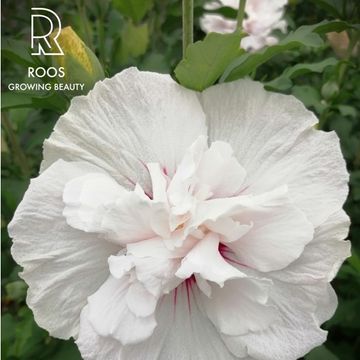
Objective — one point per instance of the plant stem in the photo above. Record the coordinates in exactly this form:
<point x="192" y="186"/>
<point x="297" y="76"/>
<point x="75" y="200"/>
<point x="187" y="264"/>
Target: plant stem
<point x="19" y="155"/>
<point x="353" y="40"/>
<point x="188" y="23"/>
<point x="240" y="14"/>
<point x="101" y="41"/>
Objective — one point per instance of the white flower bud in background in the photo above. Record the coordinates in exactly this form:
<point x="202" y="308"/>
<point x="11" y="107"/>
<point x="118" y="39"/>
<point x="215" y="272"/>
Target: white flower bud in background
<point x="263" y="16"/>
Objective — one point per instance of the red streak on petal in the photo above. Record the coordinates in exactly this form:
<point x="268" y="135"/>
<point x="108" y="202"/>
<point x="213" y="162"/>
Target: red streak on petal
<point x="148" y="195"/>
<point x="189" y="284"/>
<point x="186" y="285"/>
<point x="175" y="297"/>
<point x="225" y="251"/>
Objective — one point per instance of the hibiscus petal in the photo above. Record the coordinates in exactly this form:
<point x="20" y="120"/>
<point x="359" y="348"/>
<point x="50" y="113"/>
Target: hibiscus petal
<point x="179" y="191"/>
<point x="157" y="249"/>
<point x="93" y="346"/>
<point x="323" y="256"/>
<point x="296" y="332"/>
<point x="273" y="139"/>
<point x="127" y="121"/>
<point x="205" y="259"/>
<point x="110" y="313"/>
<point x="129" y="218"/>
<point x="220" y="170"/>
<point x="180" y="334"/>
<point x="240" y="306"/>
<point x="62" y="265"/>
<point x="86" y="198"/>
<point x="277" y="238"/>
<point x="230" y="229"/>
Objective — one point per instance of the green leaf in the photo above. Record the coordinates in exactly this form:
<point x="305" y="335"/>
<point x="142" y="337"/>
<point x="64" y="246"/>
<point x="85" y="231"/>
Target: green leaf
<point x="325" y="26"/>
<point x="321" y="353"/>
<point x="309" y="96"/>
<point x="18" y="51"/>
<point x="8" y="326"/>
<point x="355" y="184"/>
<point x="354" y="261"/>
<point x="283" y="82"/>
<point x="28" y="336"/>
<point x="68" y="350"/>
<point x="347" y="110"/>
<point x="307" y="35"/>
<point x="206" y="60"/>
<point x="14" y="192"/>
<point x="15" y="100"/>
<point x="135" y="9"/>
<point x="16" y="290"/>
<point x="134" y="41"/>
<point x="333" y="7"/>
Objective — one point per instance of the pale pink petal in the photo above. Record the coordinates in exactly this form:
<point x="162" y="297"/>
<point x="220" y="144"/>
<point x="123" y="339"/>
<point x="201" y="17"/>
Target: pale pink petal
<point x="240" y="306"/>
<point x="273" y="139"/>
<point x="86" y="197"/>
<point x="62" y="265"/>
<point x="205" y="259"/>
<point x="111" y="316"/>
<point x="323" y="256"/>
<point x="127" y="121"/>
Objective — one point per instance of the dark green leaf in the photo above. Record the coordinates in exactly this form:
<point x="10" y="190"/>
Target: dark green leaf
<point x="321" y="353"/>
<point x="13" y="100"/>
<point x="309" y="96"/>
<point x="283" y="82"/>
<point x="307" y="35"/>
<point x="18" y="51"/>
<point x="135" y="9"/>
<point x="333" y="7"/>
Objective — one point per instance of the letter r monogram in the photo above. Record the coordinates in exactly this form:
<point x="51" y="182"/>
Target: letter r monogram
<point x="53" y="48"/>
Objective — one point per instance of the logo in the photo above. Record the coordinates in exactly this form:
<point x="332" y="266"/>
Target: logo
<point x="52" y="48"/>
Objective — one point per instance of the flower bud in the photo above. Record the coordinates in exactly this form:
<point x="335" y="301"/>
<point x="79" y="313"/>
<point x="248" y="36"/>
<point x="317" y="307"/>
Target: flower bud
<point x="330" y="90"/>
<point x="80" y="64"/>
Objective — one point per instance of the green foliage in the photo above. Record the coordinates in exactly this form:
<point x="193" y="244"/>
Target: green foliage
<point x="17" y="51"/>
<point x="134" y="41"/>
<point x="307" y="35"/>
<point x="206" y="60"/>
<point x="135" y="9"/>
<point x="321" y="353"/>
<point x="284" y="81"/>
<point x="15" y="100"/>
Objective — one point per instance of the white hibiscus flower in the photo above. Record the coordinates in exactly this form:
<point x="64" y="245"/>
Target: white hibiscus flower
<point x="263" y="17"/>
<point x="169" y="224"/>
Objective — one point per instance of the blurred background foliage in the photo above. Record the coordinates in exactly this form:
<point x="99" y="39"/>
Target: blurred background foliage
<point x="147" y="34"/>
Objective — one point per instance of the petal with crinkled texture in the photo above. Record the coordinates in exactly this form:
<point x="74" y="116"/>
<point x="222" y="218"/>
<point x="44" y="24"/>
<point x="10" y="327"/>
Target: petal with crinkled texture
<point x="323" y="256"/>
<point x="62" y="265"/>
<point x="273" y="139"/>
<point x="297" y="330"/>
<point x="93" y="346"/>
<point x="183" y="332"/>
<point x="127" y="121"/>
